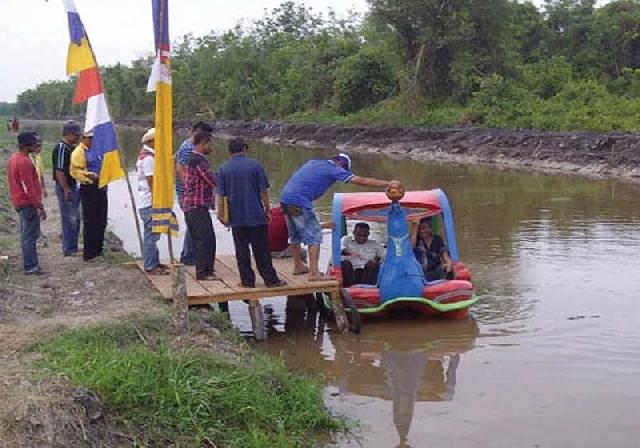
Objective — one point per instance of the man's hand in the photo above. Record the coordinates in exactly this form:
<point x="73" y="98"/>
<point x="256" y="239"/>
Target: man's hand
<point x="93" y="176"/>
<point x="268" y="215"/>
<point x="41" y="213"/>
<point x="44" y="193"/>
<point x="68" y="195"/>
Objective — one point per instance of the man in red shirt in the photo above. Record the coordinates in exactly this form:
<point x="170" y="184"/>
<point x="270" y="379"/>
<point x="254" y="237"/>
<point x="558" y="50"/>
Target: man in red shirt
<point x="26" y="196"/>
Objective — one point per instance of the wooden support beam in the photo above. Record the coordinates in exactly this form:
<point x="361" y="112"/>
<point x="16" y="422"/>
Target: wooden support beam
<point x="180" y="300"/>
<point x="338" y="311"/>
<point x="257" y="320"/>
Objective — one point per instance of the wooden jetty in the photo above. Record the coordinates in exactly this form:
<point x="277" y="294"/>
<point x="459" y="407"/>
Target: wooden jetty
<point x="228" y="289"/>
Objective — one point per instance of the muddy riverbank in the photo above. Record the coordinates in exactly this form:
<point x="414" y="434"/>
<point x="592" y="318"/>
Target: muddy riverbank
<point x="585" y="153"/>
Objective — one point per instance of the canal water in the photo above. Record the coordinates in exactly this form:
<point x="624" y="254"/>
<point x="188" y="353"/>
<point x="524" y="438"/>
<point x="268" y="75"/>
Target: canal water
<point x="551" y="355"/>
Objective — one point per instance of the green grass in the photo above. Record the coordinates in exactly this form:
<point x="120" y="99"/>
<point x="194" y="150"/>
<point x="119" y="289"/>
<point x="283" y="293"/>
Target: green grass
<point x="188" y="397"/>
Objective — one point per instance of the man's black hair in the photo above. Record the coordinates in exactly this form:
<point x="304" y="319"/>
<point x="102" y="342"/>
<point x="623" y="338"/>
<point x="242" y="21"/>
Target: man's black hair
<point x="27" y="139"/>
<point x="202" y="137"/>
<point x="361" y="225"/>
<point x="237" y="145"/>
<point x="71" y="128"/>
<point x="202" y="126"/>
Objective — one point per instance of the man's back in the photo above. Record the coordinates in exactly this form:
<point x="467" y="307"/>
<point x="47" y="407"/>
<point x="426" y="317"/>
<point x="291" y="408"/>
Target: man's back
<point x="242" y="180"/>
<point x="311" y="181"/>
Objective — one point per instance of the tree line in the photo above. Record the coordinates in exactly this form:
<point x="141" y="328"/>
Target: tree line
<point x="569" y="64"/>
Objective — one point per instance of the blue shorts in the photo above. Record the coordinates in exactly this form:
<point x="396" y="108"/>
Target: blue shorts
<point x="304" y="228"/>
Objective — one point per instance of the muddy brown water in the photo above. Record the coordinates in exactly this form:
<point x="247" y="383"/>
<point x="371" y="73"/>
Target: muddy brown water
<point x="551" y="355"/>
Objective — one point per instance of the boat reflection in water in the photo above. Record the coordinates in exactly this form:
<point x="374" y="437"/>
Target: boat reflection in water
<point x="401" y="361"/>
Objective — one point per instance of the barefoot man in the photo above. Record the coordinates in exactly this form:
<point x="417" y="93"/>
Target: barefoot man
<point x="306" y="185"/>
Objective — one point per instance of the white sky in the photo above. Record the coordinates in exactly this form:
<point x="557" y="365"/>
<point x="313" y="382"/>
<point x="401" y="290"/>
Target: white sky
<point x="35" y="32"/>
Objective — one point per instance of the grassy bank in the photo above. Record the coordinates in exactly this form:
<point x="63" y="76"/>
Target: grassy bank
<point x="178" y="394"/>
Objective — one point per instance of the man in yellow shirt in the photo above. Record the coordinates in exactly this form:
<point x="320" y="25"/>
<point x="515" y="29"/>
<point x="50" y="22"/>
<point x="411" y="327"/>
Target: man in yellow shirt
<point x="93" y="199"/>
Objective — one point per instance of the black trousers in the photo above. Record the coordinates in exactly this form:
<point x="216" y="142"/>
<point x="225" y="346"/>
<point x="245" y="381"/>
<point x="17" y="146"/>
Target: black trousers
<point x="203" y="238"/>
<point x="366" y="276"/>
<point x="95" y="207"/>
<point x="258" y="238"/>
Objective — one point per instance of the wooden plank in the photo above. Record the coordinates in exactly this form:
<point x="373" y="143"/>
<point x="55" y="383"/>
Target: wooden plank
<point x="338" y="312"/>
<point x="211" y="286"/>
<point x="180" y="302"/>
<point x="164" y="286"/>
<point x="257" y="294"/>
<point x="257" y="320"/>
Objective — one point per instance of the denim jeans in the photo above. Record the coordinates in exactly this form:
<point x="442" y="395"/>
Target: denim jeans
<point x="151" y="254"/>
<point x="29" y="233"/>
<point x="188" y="254"/>
<point x="70" y="217"/>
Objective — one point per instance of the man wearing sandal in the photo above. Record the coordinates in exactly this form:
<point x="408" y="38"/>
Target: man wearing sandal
<point x="145" y="167"/>
<point x="306" y="185"/>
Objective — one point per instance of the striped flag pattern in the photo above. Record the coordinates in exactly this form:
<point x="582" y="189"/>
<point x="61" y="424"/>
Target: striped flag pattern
<point x="163" y="218"/>
<point x="103" y="157"/>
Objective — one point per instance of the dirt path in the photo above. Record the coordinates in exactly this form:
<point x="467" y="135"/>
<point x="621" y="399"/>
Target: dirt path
<point x="48" y="412"/>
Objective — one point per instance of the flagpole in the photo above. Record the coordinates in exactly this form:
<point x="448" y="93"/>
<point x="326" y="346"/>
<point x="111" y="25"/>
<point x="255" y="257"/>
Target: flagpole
<point x="131" y="197"/>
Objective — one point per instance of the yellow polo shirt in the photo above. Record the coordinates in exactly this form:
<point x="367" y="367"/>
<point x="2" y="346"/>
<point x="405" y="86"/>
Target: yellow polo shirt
<point x="78" y="165"/>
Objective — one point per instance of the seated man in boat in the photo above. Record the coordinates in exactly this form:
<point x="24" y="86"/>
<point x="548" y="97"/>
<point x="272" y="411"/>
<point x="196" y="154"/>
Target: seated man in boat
<point x="361" y="257"/>
<point x="430" y="251"/>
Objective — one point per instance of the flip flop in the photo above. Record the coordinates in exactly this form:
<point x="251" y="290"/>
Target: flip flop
<point x="301" y="272"/>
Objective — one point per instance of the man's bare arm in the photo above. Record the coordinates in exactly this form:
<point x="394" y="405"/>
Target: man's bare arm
<point x="369" y="182"/>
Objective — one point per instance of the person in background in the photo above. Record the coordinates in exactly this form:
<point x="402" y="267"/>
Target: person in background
<point x="197" y="200"/>
<point x="25" y="191"/>
<point x="306" y="185"/>
<point x="9" y="124"/>
<point x="145" y="167"/>
<point x="67" y="188"/>
<point x="243" y="197"/>
<point x="361" y="257"/>
<point x="430" y="251"/>
<point x="15" y="124"/>
<point x="38" y="162"/>
<point x="93" y="199"/>
<point x="182" y="157"/>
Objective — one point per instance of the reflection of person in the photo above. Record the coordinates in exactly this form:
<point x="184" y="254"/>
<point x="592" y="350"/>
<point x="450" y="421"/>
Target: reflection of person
<point x="67" y="189"/>
<point x="243" y="197"/>
<point x="26" y="196"/>
<point x="361" y="257"/>
<point x="306" y="185"/>
<point x="182" y="157"/>
<point x="145" y="167"/>
<point x="93" y="199"/>
<point x="430" y="251"/>
<point x="197" y="200"/>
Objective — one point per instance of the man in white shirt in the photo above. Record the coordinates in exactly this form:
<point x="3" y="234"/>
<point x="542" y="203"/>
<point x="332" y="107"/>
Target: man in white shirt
<point x="361" y="257"/>
<point x="145" y="167"/>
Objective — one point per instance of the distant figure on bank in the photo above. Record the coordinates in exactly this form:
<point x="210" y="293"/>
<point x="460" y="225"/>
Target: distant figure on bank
<point x="9" y="124"/>
<point x="430" y="251"/>
<point x="94" y="200"/>
<point x="243" y="204"/>
<point x="197" y="200"/>
<point x="361" y="257"/>
<point x="15" y="124"/>
<point x="306" y="185"/>
<point x="182" y="157"/>
<point x="26" y="196"/>
<point x="67" y="189"/>
<point x="145" y="167"/>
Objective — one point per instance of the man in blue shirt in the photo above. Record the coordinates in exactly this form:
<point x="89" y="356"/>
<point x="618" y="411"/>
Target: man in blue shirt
<point x="187" y="256"/>
<point x="306" y="185"/>
<point x="243" y="203"/>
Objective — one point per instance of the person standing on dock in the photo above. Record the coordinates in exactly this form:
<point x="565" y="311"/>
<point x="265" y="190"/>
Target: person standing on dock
<point x="187" y="256"/>
<point x="67" y="189"/>
<point x="307" y="184"/>
<point x="243" y="197"/>
<point x="94" y="199"/>
<point x="197" y="200"/>
<point x="26" y="196"/>
<point x="145" y="167"/>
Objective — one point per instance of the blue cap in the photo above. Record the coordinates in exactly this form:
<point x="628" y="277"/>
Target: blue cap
<point x="345" y="159"/>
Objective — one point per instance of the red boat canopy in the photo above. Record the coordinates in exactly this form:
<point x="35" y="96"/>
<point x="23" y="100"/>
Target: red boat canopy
<point x="375" y="206"/>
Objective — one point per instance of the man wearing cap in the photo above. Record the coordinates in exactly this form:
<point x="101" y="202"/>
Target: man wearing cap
<point x="187" y="256"/>
<point x="93" y="199"/>
<point x="67" y="189"/>
<point x="306" y="185"/>
<point x="26" y="196"/>
<point x="145" y="167"/>
<point x="243" y="204"/>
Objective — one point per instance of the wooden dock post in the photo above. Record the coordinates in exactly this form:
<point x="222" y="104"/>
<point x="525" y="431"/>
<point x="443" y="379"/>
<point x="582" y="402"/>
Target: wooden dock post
<point x="338" y="311"/>
<point x="257" y="320"/>
<point x="180" y="300"/>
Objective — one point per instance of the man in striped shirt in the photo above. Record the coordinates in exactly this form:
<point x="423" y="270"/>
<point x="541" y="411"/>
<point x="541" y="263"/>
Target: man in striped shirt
<point x="67" y="189"/>
<point x="197" y="200"/>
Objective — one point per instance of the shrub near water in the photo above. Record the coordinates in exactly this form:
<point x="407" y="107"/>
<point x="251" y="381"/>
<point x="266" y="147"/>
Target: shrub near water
<point x="187" y="394"/>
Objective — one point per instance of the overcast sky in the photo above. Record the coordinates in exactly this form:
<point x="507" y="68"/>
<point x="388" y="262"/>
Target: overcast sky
<point x="35" y="32"/>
